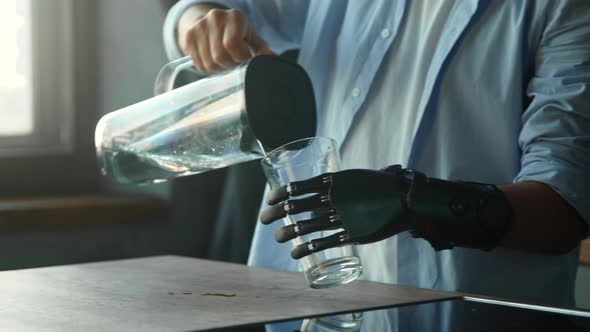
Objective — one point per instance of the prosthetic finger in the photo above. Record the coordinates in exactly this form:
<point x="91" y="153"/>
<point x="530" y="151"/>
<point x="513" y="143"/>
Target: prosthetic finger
<point x="294" y="206"/>
<point x="304" y="227"/>
<point x="318" y="184"/>
<point x="332" y="241"/>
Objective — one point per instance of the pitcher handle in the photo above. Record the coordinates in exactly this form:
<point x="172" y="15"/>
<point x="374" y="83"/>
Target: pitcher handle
<point x="167" y="75"/>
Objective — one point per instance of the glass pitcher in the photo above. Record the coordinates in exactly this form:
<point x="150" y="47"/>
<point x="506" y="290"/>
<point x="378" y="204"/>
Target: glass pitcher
<point x="220" y="120"/>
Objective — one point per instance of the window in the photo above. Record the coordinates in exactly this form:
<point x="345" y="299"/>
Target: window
<point x="15" y="67"/>
<point x="36" y="77"/>
<point x="47" y="114"/>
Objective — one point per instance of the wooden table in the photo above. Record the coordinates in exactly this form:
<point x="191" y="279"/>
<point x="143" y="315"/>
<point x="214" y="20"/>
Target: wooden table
<point x="171" y="293"/>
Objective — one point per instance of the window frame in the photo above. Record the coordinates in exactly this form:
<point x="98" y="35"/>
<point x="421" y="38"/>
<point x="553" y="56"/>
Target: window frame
<point x="52" y="29"/>
<point x="59" y="157"/>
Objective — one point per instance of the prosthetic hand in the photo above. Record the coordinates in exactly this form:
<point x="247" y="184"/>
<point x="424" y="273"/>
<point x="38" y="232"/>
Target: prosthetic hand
<point x="370" y="206"/>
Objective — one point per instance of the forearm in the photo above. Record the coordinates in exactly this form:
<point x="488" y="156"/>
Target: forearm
<point x="188" y="19"/>
<point x="543" y="222"/>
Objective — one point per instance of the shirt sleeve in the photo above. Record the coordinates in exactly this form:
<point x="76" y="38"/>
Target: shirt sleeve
<point x="555" y="134"/>
<point x="280" y="23"/>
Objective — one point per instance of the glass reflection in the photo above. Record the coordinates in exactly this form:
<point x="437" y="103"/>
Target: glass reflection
<point x="351" y="322"/>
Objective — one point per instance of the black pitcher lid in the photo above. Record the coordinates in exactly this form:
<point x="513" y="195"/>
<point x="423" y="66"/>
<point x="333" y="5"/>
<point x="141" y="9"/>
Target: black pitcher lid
<point x="279" y="101"/>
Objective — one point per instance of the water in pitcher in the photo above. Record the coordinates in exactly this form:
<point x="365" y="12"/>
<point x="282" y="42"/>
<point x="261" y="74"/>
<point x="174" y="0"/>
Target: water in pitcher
<point x="143" y="167"/>
<point x="165" y="163"/>
<point x="207" y="134"/>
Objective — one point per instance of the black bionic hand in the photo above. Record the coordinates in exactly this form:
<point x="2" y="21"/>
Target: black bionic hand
<point x="369" y="206"/>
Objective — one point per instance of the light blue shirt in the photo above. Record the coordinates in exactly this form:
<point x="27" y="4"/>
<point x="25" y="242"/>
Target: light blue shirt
<point x="506" y="99"/>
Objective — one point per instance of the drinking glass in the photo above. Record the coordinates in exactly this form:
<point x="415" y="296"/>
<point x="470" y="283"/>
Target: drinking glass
<point x="301" y="160"/>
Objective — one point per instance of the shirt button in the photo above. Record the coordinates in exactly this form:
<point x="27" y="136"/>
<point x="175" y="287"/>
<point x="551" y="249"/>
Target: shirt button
<point x="385" y="33"/>
<point x="356" y="92"/>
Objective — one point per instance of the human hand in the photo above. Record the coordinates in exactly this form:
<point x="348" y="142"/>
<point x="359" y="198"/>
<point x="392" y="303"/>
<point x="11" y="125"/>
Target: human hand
<point x="218" y="38"/>
<point x="366" y="205"/>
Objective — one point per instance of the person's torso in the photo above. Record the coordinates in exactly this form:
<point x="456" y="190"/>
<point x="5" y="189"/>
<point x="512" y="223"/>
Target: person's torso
<point x="464" y="125"/>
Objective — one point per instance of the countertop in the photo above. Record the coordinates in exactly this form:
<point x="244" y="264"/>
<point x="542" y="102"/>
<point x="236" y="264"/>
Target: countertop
<point x="173" y="293"/>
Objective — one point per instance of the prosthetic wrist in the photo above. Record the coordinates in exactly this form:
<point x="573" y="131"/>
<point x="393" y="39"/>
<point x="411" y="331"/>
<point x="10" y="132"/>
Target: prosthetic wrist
<point x="458" y="214"/>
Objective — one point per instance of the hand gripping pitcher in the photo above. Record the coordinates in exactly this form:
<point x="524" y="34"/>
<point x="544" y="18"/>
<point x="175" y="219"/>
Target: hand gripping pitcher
<point x="231" y="117"/>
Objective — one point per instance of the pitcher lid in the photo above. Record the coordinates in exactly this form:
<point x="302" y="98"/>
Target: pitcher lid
<point x="279" y="101"/>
